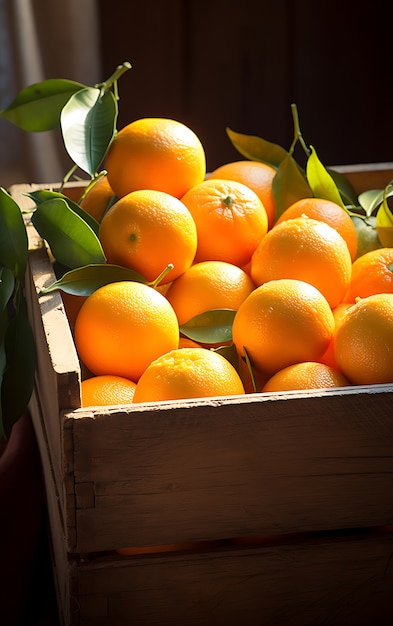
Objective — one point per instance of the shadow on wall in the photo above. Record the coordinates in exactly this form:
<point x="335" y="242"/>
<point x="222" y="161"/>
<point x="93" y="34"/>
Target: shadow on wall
<point x="217" y="64"/>
<point x="212" y="65"/>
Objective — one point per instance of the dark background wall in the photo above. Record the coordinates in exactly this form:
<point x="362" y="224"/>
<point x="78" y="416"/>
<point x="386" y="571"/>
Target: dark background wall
<point x="219" y="63"/>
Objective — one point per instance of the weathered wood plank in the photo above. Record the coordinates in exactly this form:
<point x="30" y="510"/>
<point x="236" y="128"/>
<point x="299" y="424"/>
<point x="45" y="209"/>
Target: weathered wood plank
<point x="337" y="580"/>
<point x="211" y="470"/>
<point x="368" y="176"/>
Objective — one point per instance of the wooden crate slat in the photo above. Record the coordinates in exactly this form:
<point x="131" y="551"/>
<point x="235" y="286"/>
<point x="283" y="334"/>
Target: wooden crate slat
<point x="336" y="580"/>
<point x="364" y="177"/>
<point x="236" y="468"/>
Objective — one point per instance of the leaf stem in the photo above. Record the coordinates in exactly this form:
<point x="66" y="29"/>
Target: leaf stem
<point x="91" y="184"/>
<point x="298" y="133"/>
<point x="68" y="175"/>
<point x="159" y="278"/>
<point x="112" y="80"/>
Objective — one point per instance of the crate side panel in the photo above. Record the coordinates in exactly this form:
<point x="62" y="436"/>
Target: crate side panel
<point x="57" y="380"/>
<point x="49" y="385"/>
<point x="260" y="465"/>
<point x="53" y="335"/>
<point x="367" y="176"/>
<point x="337" y="581"/>
<point x="55" y="511"/>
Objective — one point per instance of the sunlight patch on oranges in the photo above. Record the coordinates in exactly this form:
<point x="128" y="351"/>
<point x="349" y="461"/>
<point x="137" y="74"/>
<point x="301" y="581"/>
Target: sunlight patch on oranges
<point x="188" y="373"/>
<point x="311" y="309"/>
<point x="155" y="153"/>
<point x="122" y="327"/>
<point x="146" y="231"/>
<point x="230" y="220"/>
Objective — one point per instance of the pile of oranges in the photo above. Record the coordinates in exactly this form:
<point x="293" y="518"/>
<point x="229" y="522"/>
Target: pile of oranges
<point x="308" y="312"/>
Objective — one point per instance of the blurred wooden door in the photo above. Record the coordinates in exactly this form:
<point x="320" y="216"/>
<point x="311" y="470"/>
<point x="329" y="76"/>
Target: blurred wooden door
<point x="219" y="63"/>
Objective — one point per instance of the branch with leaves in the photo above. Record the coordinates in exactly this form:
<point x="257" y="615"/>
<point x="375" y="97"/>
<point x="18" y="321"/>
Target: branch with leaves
<point x="87" y="118"/>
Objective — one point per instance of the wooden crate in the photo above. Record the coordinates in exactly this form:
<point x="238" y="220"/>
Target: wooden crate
<point x="265" y="509"/>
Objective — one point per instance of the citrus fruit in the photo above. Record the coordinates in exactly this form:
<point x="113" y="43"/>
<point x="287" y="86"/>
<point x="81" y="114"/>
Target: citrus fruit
<point x="147" y="230"/>
<point x="305" y="375"/>
<point x="185" y="342"/>
<point x="107" y="389"/>
<point x="328" y="212"/>
<point x="124" y="326"/>
<point x="155" y="153"/>
<point x="283" y="322"/>
<point x="230" y="220"/>
<point x="338" y="313"/>
<point x="257" y="176"/>
<point x="364" y="341"/>
<point x="308" y="250"/>
<point x="98" y="198"/>
<point x="208" y="285"/>
<point x="367" y="234"/>
<point x="188" y="373"/>
<point x="371" y="273"/>
<point x="72" y="306"/>
<point x="385" y="235"/>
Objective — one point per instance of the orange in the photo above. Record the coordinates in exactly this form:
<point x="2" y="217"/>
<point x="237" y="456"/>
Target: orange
<point x="283" y="322"/>
<point x="257" y="176"/>
<point x="305" y="375"/>
<point x="122" y="327"/>
<point x="155" y="153"/>
<point x="188" y="373"/>
<point x="98" y="198"/>
<point x="230" y="220"/>
<point x="107" y="389"/>
<point x="167" y="547"/>
<point x="328" y="212"/>
<point x="305" y="249"/>
<point x="367" y="234"/>
<point x="146" y="230"/>
<point x="208" y="285"/>
<point x="338" y="313"/>
<point x="72" y="306"/>
<point x="185" y="342"/>
<point x="371" y="273"/>
<point x="364" y="341"/>
<point x="385" y="235"/>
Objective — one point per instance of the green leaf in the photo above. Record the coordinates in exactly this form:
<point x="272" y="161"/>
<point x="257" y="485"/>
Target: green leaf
<point x="38" y="107"/>
<point x="18" y="378"/>
<point x="289" y="185"/>
<point x="320" y="181"/>
<point x="250" y="369"/>
<point x="43" y="195"/>
<point x="230" y="353"/>
<point x="211" y="327"/>
<point x="88" y="124"/>
<point x="13" y="236"/>
<point x="370" y="200"/>
<point x="384" y="215"/>
<point x="84" y="280"/>
<point x="346" y="189"/>
<point x="7" y="285"/>
<point x="256" y="148"/>
<point x="366" y="232"/>
<point x="73" y="243"/>
<point x="384" y="220"/>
